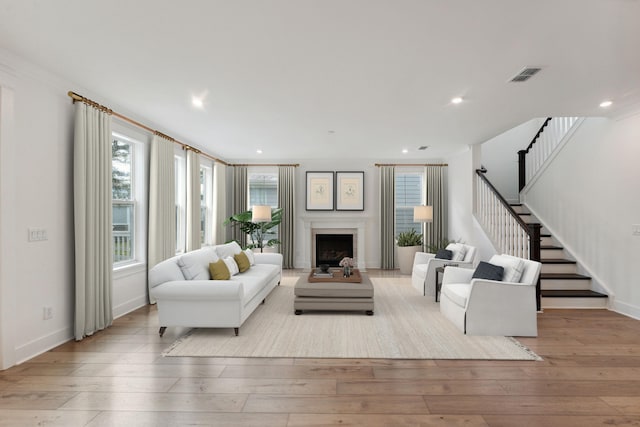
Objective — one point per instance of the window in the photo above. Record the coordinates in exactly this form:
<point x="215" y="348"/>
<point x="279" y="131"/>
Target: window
<point x="263" y="190"/>
<point x="181" y="203"/>
<point x="206" y="205"/>
<point x="127" y="189"/>
<point x="409" y="193"/>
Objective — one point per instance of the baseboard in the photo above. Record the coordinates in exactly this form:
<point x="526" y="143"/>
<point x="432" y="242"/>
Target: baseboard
<point x="129" y="306"/>
<point x="626" y="309"/>
<point x="43" y="344"/>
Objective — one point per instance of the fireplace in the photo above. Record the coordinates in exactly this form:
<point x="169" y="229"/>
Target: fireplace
<point x="314" y="225"/>
<point x="331" y="248"/>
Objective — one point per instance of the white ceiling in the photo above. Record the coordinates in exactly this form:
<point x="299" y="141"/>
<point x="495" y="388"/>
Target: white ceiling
<point x="305" y="79"/>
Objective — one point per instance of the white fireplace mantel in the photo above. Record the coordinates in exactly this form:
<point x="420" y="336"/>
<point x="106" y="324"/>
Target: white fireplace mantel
<point x="311" y="223"/>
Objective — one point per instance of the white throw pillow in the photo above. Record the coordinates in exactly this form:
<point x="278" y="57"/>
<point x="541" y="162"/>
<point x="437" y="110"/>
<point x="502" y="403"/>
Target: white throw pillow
<point x="513" y="268"/>
<point x="228" y="249"/>
<point x="231" y="265"/>
<point x="459" y="251"/>
<point x="195" y="264"/>
<point x="252" y="259"/>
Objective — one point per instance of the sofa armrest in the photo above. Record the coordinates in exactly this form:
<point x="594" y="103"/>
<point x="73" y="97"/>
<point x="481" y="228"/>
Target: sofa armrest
<point x="457" y="275"/>
<point x="422" y="258"/>
<point x="187" y="290"/>
<point x="268" y="258"/>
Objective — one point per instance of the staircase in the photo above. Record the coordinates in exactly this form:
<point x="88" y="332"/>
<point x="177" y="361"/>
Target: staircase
<point x="560" y="283"/>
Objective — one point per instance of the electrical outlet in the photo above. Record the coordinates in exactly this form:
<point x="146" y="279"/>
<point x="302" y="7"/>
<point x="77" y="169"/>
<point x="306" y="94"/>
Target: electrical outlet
<point x="47" y="313"/>
<point x="635" y="229"/>
<point x="37" y="234"/>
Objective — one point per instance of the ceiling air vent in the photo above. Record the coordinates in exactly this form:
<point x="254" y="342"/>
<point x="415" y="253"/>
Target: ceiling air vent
<point x="423" y="147"/>
<point x="525" y="74"/>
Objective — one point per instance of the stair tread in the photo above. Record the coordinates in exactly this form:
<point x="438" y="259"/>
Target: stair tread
<point x="550" y="247"/>
<point x="557" y="261"/>
<point x="563" y="276"/>
<point x="515" y="204"/>
<point x="568" y="293"/>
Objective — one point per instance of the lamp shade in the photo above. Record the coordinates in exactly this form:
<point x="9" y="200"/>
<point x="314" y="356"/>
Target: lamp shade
<point x="261" y="213"/>
<point x="423" y="213"/>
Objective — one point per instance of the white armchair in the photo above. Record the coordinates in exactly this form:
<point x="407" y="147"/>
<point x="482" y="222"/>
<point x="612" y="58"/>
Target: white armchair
<point x="490" y="307"/>
<point x="423" y="275"/>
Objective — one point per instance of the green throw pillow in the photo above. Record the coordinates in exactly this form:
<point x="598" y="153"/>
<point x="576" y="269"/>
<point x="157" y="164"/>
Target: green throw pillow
<point x="243" y="261"/>
<point x="219" y="270"/>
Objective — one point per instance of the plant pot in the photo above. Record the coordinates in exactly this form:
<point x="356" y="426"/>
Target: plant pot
<point x="406" y="254"/>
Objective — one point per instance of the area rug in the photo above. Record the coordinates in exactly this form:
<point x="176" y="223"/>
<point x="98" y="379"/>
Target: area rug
<point x="405" y="325"/>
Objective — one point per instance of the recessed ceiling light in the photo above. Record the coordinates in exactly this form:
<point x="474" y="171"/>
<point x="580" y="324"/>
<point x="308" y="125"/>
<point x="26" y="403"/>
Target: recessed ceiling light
<point x="197" y="102"/>
<point x="405" y="151"/>
<point x="456" y="100"/>
<point x="259" y="151"/>
<point x="605" y="104"/>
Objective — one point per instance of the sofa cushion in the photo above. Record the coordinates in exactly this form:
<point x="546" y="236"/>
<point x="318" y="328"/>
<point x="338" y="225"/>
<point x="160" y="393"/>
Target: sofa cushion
<point x="249" y="254"/>
<point x="231" y="265"/>
<point x="228" y="249"/>
<point x="459" y="251"/>
<point x="219" y="270"/>
<point x="242" y="261"/>
<point x="487" y="271"/>
<point x="195" y="264"/>
<point x="444" y="254"/>
<point x="457" y="292"/>
<point x="513" y="267"/>
<point x="255" y="279"/>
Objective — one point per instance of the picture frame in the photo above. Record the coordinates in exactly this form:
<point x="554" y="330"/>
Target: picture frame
<point x="350" y="191"/>
<point x="320" y="191"/>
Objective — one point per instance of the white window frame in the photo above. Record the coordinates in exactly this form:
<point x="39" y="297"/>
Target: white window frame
<point x="138" y="184"/>
<point x="262" y="170"/>
<point x="413" y="171"/>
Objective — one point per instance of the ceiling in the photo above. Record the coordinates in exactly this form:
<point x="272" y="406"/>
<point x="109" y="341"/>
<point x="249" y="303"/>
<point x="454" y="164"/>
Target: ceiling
<point x="316" y="79"/>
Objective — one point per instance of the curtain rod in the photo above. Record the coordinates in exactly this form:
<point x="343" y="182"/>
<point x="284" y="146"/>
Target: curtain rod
<point x="411" y="164"/>
<point x="295" y="165"/>
<point x="75" y="97"/>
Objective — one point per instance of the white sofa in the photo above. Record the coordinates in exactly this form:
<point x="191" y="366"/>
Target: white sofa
<point x="186" y="295"/>
<point x="423" y="275"/>
<point x="491" y="307"/>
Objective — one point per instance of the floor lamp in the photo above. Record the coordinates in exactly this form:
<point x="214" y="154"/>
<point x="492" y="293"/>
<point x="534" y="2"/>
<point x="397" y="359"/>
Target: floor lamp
<point x="423" y="214"/>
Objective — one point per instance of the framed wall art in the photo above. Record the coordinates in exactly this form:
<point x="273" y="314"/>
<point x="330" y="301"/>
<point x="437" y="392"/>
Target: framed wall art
<point x="320" y="192"/>
<point x="350" y="191"/>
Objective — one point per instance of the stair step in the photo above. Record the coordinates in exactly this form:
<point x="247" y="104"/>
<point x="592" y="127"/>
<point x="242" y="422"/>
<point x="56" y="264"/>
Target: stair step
<point x="550" y="251"/>
<point x="558" y="265"/>
<point x="557" y="281"/>
<point x="573" y="299"/>
<point x="567" y="293"/>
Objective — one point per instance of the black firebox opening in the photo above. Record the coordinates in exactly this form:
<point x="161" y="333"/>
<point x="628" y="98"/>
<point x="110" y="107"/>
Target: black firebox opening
<point x="331" y="248"/>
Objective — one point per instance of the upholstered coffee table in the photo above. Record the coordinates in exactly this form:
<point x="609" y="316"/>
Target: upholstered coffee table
<point x="334" y="293"/>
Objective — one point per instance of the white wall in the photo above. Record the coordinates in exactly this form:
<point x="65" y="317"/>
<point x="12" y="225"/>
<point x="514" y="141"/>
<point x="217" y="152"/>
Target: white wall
<point x="36" y="134"/>
<point x="500" y="157"/>
<point x="588" y="198"/>
<point x="369" y="215"/>
<point x="462" y="224"/>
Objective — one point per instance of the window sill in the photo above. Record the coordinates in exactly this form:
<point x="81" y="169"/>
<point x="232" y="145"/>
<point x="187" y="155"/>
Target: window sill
<point x="129" y="269"/>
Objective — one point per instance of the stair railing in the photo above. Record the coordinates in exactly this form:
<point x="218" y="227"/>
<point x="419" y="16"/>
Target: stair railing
<point x="549" y="136"/>
<point x="504" y="226"/>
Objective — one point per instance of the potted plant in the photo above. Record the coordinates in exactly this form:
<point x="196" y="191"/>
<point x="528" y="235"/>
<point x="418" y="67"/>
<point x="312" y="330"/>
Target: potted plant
<point x="257" y="231"/>
<point x="409" y="242"/>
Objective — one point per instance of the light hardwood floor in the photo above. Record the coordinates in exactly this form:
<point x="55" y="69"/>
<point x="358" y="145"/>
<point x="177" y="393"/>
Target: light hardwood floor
<point x="590" y="376"/>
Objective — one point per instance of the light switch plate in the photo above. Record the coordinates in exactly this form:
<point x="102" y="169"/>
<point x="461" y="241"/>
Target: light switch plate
<point x="635" y="229"/>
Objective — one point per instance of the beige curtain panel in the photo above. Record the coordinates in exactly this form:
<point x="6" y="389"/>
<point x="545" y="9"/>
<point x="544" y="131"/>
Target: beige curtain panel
<point x="162" y="203"/>
<point x="286" y="201"/>
<point x="387" y="216"/>
<point x="435" y="184"/>
<point x="240" y="201"/>
<point x="92" y="220"/>
<point x="220" y="197"/>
